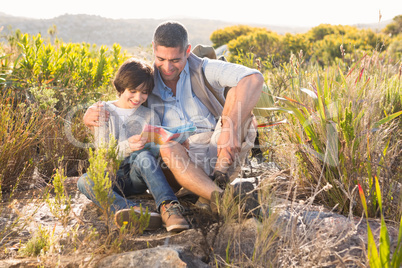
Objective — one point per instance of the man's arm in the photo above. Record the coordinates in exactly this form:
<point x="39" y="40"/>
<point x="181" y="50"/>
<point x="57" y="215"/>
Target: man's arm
<point x="237" y="111"/>
<point x="91" y="116"/>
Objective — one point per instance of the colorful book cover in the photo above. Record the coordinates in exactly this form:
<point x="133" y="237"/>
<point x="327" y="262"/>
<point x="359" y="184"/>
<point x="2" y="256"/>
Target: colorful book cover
<point x="160" y="135"/>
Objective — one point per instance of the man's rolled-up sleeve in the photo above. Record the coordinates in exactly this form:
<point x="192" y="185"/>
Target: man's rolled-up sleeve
<point x="221" y="74"/>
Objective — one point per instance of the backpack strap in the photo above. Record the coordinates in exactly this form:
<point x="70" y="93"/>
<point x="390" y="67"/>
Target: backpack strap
<point x="204" y="51"/>
<point x="208" y="85"/>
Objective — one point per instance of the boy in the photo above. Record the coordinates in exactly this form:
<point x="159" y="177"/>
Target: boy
<point x="139" y="170"/>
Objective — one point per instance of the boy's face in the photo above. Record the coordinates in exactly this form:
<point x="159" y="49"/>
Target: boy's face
<point x="133" y="98"/>
<point x="170" y="61"/>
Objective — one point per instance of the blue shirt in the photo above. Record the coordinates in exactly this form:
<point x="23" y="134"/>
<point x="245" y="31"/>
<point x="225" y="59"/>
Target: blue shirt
<point x="185" y="107"/>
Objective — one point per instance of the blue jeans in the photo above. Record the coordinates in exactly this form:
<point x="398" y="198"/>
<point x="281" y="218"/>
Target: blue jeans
<point x="134" y="176"/>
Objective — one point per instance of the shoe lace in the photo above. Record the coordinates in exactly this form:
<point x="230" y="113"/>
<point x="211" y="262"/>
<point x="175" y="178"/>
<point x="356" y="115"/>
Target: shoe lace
<point x="174" y="208"/>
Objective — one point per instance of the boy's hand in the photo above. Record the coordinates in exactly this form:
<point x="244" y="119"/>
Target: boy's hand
<point x="137" y="142"/>
<point x="92" y="115"/>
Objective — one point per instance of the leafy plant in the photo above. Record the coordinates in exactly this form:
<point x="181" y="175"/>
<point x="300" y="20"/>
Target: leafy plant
<point x="60" y="206"/>
<point x="102" y="182"/>
<point x="40" y="83"/>
<point x="39" y="243"/>
<point x="138" y="223"/>
<point x="223" y="36"/>
<point x="381" y="257"/>
<point x="73" y="73"/>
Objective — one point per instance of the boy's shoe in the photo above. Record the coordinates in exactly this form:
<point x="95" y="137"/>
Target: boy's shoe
<point x="124" y="216"/>
<point x="172" y="217"/>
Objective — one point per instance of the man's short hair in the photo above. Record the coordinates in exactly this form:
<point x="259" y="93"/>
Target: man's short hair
<point x="132" y="74"/>
<point x="171" y="34"/>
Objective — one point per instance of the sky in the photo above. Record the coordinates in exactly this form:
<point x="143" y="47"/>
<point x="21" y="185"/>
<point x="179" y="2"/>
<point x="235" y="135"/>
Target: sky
<point x="303" y="13"/>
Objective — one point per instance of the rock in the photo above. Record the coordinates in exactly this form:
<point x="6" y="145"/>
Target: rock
<point x="163" y="257"/>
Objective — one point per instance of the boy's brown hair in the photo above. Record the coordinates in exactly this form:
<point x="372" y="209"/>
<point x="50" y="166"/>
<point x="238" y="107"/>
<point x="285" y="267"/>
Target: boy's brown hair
<point x="132" y="74"/>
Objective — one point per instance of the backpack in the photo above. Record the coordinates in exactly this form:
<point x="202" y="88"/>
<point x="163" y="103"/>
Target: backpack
<point x="204" y="51"/>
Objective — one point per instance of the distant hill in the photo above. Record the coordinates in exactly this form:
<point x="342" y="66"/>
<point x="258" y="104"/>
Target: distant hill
<point x="126" y="32"/>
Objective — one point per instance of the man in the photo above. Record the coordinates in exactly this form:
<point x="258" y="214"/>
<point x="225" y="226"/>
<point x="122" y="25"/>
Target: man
<point x="225" y="129"/>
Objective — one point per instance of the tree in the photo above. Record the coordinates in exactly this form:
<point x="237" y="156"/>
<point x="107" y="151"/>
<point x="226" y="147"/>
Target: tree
<point x="224" y="36"/>
<point x="395" y="27"/>
<point x="294" y="44"/>
<point x="261" y="43"/>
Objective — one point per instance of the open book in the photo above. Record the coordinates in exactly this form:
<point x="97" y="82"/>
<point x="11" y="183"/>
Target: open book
<point x="160" y="135"/>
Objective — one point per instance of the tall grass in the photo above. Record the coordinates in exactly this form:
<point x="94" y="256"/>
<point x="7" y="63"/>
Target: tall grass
<point x="343" y="131"/>
<point x="21" y="131"/>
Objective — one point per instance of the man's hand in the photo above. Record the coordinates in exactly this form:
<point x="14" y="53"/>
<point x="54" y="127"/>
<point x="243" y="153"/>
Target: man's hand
<point x="239" y="104"/>
<point x="92" y="115"/>
<point x="137" y="142"/>
<point x="228" y="147"/>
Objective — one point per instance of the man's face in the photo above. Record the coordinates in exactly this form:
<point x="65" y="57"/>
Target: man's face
<point x="170" y="61"/>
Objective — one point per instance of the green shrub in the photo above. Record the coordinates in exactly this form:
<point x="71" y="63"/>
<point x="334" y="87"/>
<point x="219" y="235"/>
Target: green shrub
<point x="40" y="84"/>
<point x="102" y="181"/>
<point x="60" y="206"/>
<point x="102" y="170"/>
<point x="223" y="36"/>
<point x="71" y="73"/>
<point x="261" y="43"/>
<point x="39" y="243"/>
<point x="324" y="43"/>
<point x="395" y="48"/>
<point x="395" y="27"/>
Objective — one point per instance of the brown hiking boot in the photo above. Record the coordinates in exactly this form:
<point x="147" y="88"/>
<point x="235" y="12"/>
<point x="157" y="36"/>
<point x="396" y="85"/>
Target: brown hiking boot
<point x="221" y="179"/>
<point x="203" y="203"/>
<point x="243" y="193"/>
<point x="130" y="216"/>
<point x="172" y="217"/>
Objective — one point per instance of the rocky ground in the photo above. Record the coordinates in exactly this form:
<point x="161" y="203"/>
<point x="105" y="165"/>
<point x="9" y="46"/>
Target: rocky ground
<point x="301" y="234"/>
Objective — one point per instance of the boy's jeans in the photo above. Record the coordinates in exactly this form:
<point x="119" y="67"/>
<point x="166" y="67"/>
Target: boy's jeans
<point x="133" y="178"/>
